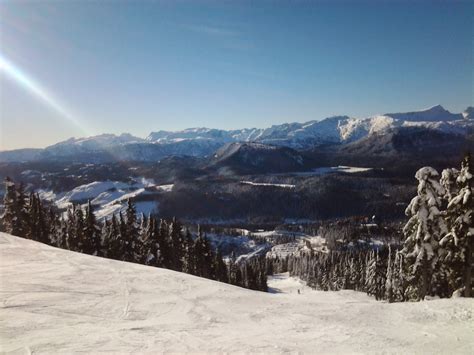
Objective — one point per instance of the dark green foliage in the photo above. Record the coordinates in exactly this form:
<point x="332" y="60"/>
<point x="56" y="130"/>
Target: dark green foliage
<point x="92" y="233"/>
<point x="177" y="245"/>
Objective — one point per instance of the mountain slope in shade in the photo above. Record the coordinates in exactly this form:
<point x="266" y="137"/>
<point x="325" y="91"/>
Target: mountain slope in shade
<point x="56" y="301"/>
<point x="410" y="141"/>
<point x="19" y="155"/>
<point x="256" y="157"/>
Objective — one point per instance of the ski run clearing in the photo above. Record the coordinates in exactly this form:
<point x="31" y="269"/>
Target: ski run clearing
<point x="54" y="300"/>
<point x="285" y="186"/>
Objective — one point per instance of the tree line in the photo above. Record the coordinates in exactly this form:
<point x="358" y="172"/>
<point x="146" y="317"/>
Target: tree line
<point x="126" y="237"/>
<point x="379" y="273"/>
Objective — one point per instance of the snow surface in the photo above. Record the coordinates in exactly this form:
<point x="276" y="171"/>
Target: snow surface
<point x="284" y="186"/>
<point x="54" y="301"/>
<point x="110" y="197"/>
<point x="326" y="170"/>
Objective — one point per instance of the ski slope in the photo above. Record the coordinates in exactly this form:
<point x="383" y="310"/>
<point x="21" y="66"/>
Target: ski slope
<point x="54" y="301"/>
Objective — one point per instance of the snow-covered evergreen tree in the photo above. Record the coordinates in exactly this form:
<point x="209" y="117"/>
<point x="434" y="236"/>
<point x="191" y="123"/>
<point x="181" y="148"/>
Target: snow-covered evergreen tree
<point x="389" y="294"/>
<point x="424" y="230"/>
<point x="449" y="182"/>
<point x="130" y="234"/>
<point x="458" y="241"/>
<point x="142" y="243"/>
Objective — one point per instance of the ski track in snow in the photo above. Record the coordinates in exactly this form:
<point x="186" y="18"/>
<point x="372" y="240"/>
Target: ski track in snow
<point x="53" y="300"/>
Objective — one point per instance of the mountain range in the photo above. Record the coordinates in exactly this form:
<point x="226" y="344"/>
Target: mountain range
<point x="346" y="133"/>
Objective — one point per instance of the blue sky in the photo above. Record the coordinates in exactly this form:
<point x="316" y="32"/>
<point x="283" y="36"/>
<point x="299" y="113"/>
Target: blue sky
<point x="88" y="67"/>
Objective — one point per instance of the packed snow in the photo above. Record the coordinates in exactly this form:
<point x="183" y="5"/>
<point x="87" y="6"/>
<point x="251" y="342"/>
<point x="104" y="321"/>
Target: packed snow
<point x="57" y="301"/>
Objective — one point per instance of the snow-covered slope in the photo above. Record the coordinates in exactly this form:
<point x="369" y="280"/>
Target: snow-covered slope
<point x="110" y="197"/>
<point x="56" y="301"/>
<point x="96" y="142"/>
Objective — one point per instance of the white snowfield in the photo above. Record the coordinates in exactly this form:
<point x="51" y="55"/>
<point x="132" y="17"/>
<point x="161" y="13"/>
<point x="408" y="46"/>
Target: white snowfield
<point x="110" y="197"/>
<point x="284" y="186"/>
<point x="56" y="301"/>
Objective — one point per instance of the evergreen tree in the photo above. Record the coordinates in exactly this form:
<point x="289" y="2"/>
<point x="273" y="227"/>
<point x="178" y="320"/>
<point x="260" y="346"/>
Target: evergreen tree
<point x="199" y="251"/>
<point x="389" y="294"/>
<point x="78" y="229"/>
<point x="458" y="242"/>
<point x="189" y="260"/>
<point x="232" y="270"/>
<point x="54" y="226"/>
<point x="11" y="215"/>
<point x="177" y="245"/>
<point x="37" y="221"/>
<point x="105" y="244"/>
<point x="156" y="257"/>
<point x="91" y="243"/>
<point x="33" y="231"/>
<point x="71" y="241"/>
<point x="424" y="230"/>
<point x="131" y="233"/>
<point x="62" y="234"/>
<point x="375" y="282"/>
<point x="114" y="238"/>
<point x="164" y="242"/>
<point x="42" y="222"/>
<point x="220" y="267"/>
<point x="208" y="258"/>
<point x="22" y="205"/>
<point x="142" y="243"/>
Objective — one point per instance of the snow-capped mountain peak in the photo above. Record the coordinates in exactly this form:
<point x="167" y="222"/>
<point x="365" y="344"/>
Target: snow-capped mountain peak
<point x="435" y="113"/>
<point x="202" y="141"/>
<point x="105" y="139"/>
<point x="468" y="114"/>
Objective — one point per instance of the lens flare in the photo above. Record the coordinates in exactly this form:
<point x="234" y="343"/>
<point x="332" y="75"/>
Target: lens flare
<point x="28" y="83"/>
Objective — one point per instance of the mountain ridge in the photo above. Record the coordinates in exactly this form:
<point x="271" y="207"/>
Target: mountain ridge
<point x="201" y="141"/>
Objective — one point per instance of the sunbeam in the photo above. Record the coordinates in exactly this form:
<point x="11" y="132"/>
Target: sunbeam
<point x="28" y="83"/>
